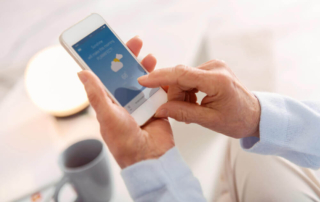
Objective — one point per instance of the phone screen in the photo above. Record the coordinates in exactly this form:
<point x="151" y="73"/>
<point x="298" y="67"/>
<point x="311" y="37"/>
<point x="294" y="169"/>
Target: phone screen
<point x="115" y="66"/>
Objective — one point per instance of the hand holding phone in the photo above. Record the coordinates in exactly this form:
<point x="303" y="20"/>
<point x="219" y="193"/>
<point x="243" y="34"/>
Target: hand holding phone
<point x="96" y="47"/>
<point x="126" y="140"/>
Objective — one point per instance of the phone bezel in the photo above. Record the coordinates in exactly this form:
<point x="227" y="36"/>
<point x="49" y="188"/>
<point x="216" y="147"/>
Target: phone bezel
<point x="82" y="29"/>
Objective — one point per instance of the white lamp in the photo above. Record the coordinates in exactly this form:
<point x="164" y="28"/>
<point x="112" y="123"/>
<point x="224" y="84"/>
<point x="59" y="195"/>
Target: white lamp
<point x="52" y="83"/>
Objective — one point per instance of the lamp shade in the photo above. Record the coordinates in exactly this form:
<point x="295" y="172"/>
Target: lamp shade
<point x="52" y="83"/>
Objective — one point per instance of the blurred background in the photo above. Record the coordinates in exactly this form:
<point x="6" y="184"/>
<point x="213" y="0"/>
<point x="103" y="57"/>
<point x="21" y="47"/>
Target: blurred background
<point x="271" y="46"/>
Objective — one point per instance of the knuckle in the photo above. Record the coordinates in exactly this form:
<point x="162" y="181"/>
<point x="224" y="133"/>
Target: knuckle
<point x="182" y="115"/>
<point x="222" y="78"/>
<point x="218" y="63"/>
<point x="215" y="64"/>
<point x="185" y="72"/>
<point x="225" y="81"/>
<point x="93" y="99"/>
<point x="199" y="75"/>
<point x="182" y="69"/>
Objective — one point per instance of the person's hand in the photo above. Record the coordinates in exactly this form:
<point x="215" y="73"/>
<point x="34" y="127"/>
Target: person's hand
<point x="126" y="140"/>
<point x="229" y="108"/>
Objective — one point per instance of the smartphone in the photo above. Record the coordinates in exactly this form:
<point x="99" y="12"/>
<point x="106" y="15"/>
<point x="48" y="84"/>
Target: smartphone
<point x="96" y="47"/>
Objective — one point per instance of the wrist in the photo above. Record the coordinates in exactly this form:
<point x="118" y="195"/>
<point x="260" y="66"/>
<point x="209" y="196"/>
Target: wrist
<point x="143" y="153"/>
<point x="256" y="113"/>
<point x="129" y="161"/>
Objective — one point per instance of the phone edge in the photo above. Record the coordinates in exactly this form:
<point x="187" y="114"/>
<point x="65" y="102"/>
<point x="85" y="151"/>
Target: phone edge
<point x="66" y="47"/>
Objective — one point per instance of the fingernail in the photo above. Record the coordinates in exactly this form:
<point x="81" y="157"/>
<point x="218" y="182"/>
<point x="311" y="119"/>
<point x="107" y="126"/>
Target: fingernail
<point x="83" y="78"/>
<point x="162" y="113"/>
<point x="143" y="78"/>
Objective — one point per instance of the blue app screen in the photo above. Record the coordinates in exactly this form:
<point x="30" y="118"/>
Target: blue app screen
<point x="115" y="66"/>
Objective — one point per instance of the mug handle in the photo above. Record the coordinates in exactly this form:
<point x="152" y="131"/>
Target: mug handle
<point x="59" y="185"/>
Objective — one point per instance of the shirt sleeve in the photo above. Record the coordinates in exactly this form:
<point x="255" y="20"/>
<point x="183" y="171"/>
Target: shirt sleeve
<point x="288" y="128"/>
<point x="165" y="179"/>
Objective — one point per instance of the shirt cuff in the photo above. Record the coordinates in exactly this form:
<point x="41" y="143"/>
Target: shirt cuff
<point x="273" y="125"/>
<point x="150" y="175"/>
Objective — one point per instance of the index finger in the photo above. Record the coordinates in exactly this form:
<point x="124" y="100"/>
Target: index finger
<point x="185" y="77"/>
<point x="135" y="45"/>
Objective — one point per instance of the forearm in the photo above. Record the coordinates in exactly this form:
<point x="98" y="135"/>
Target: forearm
<point x="165" y="179"/>
<point x="288" y="128"/>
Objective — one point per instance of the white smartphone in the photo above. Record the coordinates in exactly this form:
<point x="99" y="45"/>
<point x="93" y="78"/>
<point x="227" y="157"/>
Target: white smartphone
<point x="96" y="47"/>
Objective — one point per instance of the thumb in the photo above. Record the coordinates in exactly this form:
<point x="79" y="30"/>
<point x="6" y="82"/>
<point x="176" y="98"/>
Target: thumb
<point x="185" y="112"/>
<point x="97" y="96"/>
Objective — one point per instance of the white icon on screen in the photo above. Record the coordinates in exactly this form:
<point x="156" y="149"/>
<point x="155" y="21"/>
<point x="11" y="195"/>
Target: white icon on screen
<point x="79" y="49"/>
<point x="116" y="65"/>
<point x="124" y="75"/>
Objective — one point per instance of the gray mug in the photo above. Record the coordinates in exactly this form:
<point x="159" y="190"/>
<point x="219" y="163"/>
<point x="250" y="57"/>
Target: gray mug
<point x="85" y="166"/>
